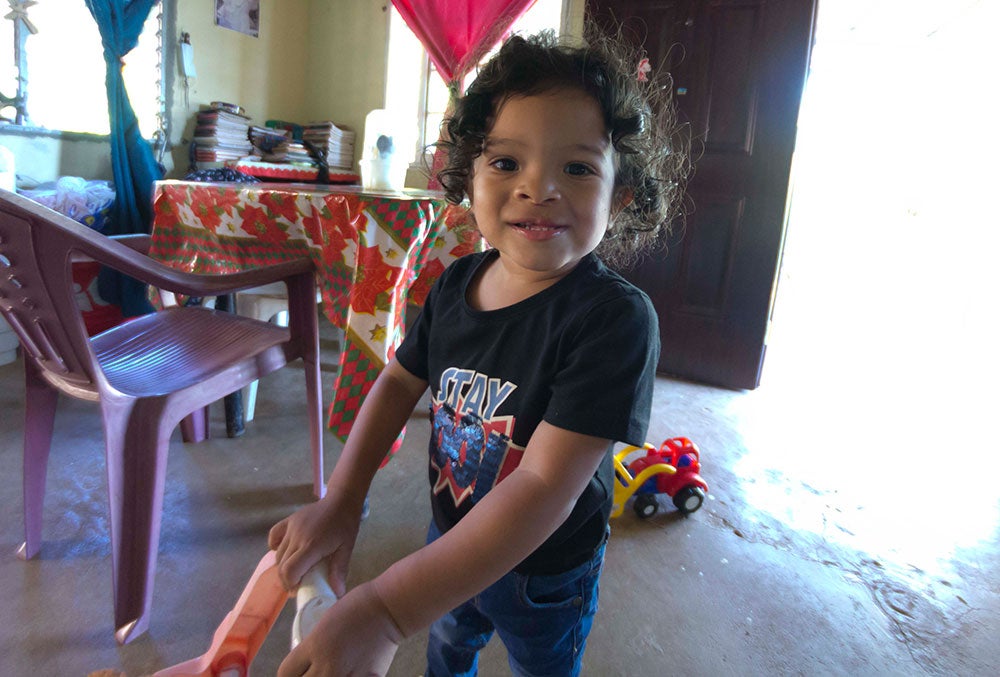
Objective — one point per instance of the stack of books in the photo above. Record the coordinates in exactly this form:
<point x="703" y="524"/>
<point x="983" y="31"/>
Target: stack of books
<point x="220" y="136"/>
<point x="334" y="143"/>
<point x="297" y="154"/>
<point x="294" y="129"/>
<point x="270" y="145"/>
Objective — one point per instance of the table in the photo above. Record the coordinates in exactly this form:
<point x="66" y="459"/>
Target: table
<point x="375" y="252"/>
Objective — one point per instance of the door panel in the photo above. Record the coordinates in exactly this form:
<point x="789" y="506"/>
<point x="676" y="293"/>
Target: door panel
<point x="729" y="94"/>
<point x="738" y="69"/>
<point x="706" y="267"/>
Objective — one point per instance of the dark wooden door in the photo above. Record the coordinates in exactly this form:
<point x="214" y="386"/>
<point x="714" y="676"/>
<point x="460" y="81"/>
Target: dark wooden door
<point x="739" y="68"/>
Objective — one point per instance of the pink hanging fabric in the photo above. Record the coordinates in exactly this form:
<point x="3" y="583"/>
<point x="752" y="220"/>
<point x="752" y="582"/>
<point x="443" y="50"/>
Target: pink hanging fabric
<point x="458" y="33"/>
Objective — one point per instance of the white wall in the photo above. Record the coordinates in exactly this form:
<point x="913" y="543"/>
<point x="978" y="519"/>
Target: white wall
<point x="45" y="158"/>
<point x="265" y="75"/>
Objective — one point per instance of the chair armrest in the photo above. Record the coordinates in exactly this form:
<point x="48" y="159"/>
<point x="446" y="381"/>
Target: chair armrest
<point x="123" y="254"/>
<point x="198" y="284"/>
<point x="140" y="242"/>
<point x="120" y="256"/>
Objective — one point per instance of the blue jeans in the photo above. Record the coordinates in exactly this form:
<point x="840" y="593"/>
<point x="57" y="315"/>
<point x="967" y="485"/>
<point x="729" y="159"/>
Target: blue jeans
<point x="543" y="621"/>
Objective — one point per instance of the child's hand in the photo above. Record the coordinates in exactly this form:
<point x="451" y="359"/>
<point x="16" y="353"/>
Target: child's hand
<point x="356" y="636"/>
<point x="328" y="527"/>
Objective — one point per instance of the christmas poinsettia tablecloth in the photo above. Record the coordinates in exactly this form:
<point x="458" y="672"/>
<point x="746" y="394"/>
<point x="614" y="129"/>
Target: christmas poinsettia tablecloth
<point x="374" y="254"/>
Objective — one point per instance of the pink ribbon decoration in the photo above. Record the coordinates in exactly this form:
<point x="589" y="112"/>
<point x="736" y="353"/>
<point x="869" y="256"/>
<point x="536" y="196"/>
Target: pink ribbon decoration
<point x="644" y="69"/>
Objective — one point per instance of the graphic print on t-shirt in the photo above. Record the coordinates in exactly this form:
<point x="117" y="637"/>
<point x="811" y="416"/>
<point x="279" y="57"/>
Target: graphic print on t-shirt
<point x="471" y="447"/>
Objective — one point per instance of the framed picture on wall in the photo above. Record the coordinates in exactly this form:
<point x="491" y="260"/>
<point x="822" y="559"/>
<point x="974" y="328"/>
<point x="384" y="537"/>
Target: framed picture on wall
<point x="239" y="15"/>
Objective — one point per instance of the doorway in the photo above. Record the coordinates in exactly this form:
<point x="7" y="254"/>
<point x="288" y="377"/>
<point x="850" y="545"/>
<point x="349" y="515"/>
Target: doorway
<point x="737" y="68"/>
<point x="883" y="345"/>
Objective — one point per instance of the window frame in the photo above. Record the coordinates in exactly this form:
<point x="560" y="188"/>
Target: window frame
<point x="166" y="24"/>
<point x="423" y="152"/>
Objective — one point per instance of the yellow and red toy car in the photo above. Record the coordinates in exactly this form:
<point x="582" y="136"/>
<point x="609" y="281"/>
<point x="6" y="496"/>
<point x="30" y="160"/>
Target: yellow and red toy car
<point x="672" y="469"/>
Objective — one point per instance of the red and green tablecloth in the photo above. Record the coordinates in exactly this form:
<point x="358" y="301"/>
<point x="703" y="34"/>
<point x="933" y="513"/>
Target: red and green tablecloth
<point x="374" y="254"/>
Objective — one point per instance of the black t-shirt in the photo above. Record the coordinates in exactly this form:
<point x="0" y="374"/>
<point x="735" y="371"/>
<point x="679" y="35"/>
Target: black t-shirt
<point x="580" y="355"/>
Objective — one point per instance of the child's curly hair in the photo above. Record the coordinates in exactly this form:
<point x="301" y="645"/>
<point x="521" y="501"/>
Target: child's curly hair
<point x="652" y="158"/>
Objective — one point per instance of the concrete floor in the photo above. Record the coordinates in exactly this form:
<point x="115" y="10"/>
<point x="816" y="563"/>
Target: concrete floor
<point x="825" y="548"/>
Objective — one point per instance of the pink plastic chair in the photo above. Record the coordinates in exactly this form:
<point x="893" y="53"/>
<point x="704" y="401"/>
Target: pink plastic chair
<point x="147" y="374"/>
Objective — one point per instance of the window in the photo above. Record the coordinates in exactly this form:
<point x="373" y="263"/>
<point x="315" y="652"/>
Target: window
<point x="414" y="90"/>
<point x="63" y="71"/>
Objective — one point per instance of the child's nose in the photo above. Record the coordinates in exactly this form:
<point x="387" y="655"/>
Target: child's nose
<point x="539" y="186"/>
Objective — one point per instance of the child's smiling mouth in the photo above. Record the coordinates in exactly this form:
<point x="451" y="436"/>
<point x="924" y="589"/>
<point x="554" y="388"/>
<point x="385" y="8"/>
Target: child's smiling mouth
<point x="538" y="230"/>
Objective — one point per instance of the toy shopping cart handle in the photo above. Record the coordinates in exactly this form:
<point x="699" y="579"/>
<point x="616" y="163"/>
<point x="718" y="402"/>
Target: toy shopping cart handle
<point x="243" y="630"/>
<point x="312" y="599"/>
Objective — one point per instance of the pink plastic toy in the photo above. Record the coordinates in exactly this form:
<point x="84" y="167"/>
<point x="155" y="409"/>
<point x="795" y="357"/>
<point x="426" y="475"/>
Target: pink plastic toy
<point x="242" y="631"/>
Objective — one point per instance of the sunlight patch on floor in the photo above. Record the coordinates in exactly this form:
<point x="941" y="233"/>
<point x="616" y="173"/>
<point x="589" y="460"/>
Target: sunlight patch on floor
<point x="872" y="425"/>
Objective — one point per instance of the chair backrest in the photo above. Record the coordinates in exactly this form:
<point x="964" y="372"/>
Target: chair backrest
<point x="36" y="292"/>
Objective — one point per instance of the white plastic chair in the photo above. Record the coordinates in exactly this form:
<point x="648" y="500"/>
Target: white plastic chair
<point x="268" y="303"/>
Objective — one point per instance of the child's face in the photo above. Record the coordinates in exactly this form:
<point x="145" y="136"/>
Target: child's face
<point x="543" y="188"/>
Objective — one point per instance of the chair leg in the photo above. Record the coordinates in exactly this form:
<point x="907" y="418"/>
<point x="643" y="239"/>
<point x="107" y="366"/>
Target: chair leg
<point x="280" y="318"/>
<point x="314" y="398"/>
<point x="39" y="417"/>
<point x="137" y="442"/>
<point x="194" y="426"/>
<point x="249" y="401"/>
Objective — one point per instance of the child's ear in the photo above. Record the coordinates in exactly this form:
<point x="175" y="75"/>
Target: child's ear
<point x="623" y="198"/>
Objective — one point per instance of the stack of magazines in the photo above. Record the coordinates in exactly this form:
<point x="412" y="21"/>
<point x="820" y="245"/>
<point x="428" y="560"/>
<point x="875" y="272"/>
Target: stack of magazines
<point x="334" y="143"/>
<point x="220" y="136"/>
<point x="270" y="145"/>
<point x="273" y="144"/>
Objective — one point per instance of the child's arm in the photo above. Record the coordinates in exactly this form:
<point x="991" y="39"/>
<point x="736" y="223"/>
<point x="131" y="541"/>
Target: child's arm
<point x="511" y="521"/>
<point x="359" y="634"/>
<point x="330" y="526"/>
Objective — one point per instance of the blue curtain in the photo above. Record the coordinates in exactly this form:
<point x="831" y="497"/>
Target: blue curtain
<point x="132" y="162"/>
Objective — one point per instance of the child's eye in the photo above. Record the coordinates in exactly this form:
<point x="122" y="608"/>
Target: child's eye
<point x="504" y="164"/>
<point x="578" y="169"/>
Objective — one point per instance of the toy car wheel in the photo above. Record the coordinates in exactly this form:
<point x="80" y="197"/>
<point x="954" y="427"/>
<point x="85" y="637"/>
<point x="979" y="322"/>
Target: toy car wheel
<point x="645" y="505"/>
<point x="689" y="499"/>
